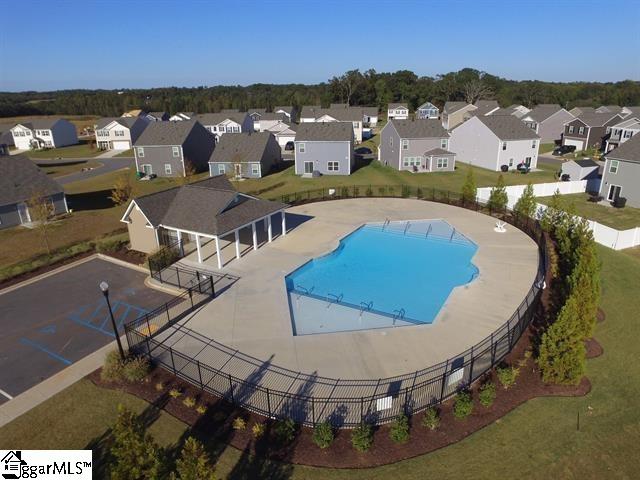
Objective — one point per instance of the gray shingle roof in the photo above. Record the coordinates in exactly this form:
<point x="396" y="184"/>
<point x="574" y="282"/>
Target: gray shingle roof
<point x="40" y="123"/>
<point x="427" y="128"/>
<point x="211" y="206"/>
<point x="595" y="119"/>
<point x="217" y="118"/>
<point x="452" y="107"/>
<point x="20" y="178"/>
<point x="241" y="147"/>
<point x="340" y="113"/>
<point x="485" y="106"/>
<point x="325" y="132"/>
<point x="397" y="105"/>
<point x="629" y="150"/>
<point x="577" y="111"/>
<point x="587" y="162"/>
<point x="541" y="112"/>
<point x="124" y="121"/>
<point x="438" y="151"/>
<point x="165" y="133"/>
<point x="507" y="127"/>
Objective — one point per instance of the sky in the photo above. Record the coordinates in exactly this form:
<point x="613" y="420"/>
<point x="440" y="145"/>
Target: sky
<point x="60" y="44"/>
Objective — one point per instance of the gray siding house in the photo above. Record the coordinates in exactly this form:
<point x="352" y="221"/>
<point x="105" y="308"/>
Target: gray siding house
<point x="495" y="140"/>
<point x="226" y="122"/>
<point x="167" y="149"/>
<point x="326" y="148"/>
<point x="427" y="110"/>
<point x="20" y="179"/>
<point x="621" y="176"/>
<point x="245" y="155"/>
<point x="416" y="146"/>
<point x="589" y="130"/>
<point x="548" y="120"/>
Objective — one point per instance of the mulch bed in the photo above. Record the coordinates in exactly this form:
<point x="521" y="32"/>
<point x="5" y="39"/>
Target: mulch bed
<point x="594" y="349"/>
<point x="601" y="316"/>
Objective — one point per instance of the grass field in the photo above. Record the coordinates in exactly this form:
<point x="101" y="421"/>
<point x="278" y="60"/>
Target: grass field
<point x="538" y="440"/>
<point x="618" y="218"/>
<point x="81" y="150"/>
<point x="126" y="153"/>
<point x="58" y="170"/>
<point x="546" y="147"/>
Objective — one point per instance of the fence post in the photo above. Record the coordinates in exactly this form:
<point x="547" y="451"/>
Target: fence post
<point x="361" y="409"/>
<point x="231" y="388"/>
<point x="269" y="403"/>
<point x="200" y="374"/>
<point x="313" y="412"/>
<point x="191" y="297"/>
<point x="471" y="366"/>
<point x="493" y="351"/>
<point x="213" y="290"/>
<point x="173" y="363"/>
<point x="146" y="316"/>
<point x="178" y="274"/>
<point x="444" y="379"/>
<point x="148" y="348"/>
<point x="198" y="276"/>
<point x="166" y="308"/>
<point x="160" y="275"/>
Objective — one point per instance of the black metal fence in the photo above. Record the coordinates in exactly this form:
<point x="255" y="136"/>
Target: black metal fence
<point x="308" y="399"/>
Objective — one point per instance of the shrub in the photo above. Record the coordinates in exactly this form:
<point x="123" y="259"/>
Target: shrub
<point x="323" y="435"/>
<point x="507" y="376"/>
<point x="382" y="191"/>
<point x="159" y="387"/>
<point x="201" y="409"/>
<point x="399" y="431"/>
<point x="362" y="437"/>
<point x="130" y="370"/>
<point x="487" y="394"/>
<point x="498" y="198"/>
<point x="406" y="191"/>
<point x="239" y="423"/>
<point x="175" y="393"/>
<point x="345" y="192"/>
<point x="110" y="245"/>
<point x="189" y="402"/>
<point x="258" y="430"/>
<point x="469" y="187"/>
<point x="285" y="431"/>
<point x="463" y="405"/>
<point x="356" y="191"/>
<point x="369" y="192"/>
<point x="194" y="462"/>
<point x="431" y="419"/>
<point x="112" y="368"/>
<point x="419" y="193"/>
<point x="135" y="369"/>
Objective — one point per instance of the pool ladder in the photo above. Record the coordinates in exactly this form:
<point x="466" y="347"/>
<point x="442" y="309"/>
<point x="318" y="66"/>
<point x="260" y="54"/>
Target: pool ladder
<point x="338" y="298"/>
<point x="306" y="291"/>
<point x="385" y="224"/>
<point x="365" y="307"/>
<point x="406" y="227"/>
<point x="399" y="316"/>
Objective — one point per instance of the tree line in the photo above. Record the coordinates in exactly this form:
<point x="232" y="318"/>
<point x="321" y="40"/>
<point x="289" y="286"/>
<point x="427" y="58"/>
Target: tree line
<point x="353" y="87"/>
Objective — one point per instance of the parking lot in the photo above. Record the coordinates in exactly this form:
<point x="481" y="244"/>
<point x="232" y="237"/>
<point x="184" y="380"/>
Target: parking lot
<point x="57" y="320"/>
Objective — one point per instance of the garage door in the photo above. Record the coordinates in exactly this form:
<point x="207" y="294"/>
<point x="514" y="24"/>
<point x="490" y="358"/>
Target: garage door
<point x="121" y="145"/>
<point x="579" y="144"/>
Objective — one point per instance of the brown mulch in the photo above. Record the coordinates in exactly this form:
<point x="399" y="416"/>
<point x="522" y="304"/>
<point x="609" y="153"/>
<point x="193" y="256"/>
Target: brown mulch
<point x="594" y="349"/>
<point x="600" y="316"/>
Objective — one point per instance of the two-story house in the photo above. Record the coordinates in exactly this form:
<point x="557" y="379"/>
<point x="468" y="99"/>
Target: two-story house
<point x="547" y="120"/>
<point x="427" y="110"/>
<point x="416" y="146"/>
<point x="621" y="132"/>
<point x="370" y="116"/>
<point x="172" y="149"/>
<point x="245" y="155"/>
<point x="621" y="174"/>
<point x="494" y="141"/>
<point x="256" y="114"/>
<point x="220" y="123"/>
<point x="336" y="113"/>
<point x="44" y="133"/>
<point x="287" y="110"/>
<point x="589" y="130"/>
<point x="180" y="116"/>
<point x="267" y="120"/>
<point x="324" y="148"/>
<point x="454" y="113"/>
<point x="119" y="133"/>
<point x="399" y="111"/>
<point x="285" y="134"/>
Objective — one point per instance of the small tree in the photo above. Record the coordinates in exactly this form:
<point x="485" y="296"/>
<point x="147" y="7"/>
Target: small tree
<point x="526" y="204"/>
<point x="122" y="189"/>
<point x="399" y="431"/>
<point x="469" y="187"/>
<point x="189" y="172"/>
<point x="323" y="435"/>
<point x="135" y="454"/>
<point x="41" y="212"/>
<point x="362" y="437"/>
<point x="498" y="198"/>
<point x="194" y="463"/>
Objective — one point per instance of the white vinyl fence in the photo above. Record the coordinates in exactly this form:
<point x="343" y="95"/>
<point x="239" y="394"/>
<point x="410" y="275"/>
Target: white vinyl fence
<point x="607" y="236"/>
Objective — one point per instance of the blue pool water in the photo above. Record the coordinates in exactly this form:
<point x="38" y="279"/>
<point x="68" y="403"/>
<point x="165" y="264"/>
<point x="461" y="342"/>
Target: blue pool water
<point x="404" y="271"/>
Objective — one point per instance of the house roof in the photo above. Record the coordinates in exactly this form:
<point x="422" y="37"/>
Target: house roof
<point x="20" y="178"/>
<point x="157" y="114"/>
<point x="273" y="116"/>
<point x="211" y="206"/>
<point x="629" y="122"/>
<point x="594" y="119"/>
<point x="241" y="147"/>
<point x="587" y="162"/>
<point x="340" y="113"/>
<point x="230" y="110"/>
<point x="136" y="112"/>
<point x="310" y="111"/>
<point x="541" y="112"/>
<point x="339" y="105"/>
<point x="325" y="132"/>
<point x="483" y="107"/>
<point x="507" y="127"/>
<point x="577" y="111"/>
<point x="609" y="109"/>
<point x="39" y="123"/>
<point x="397" y="105"/>
<point x="629" y="150"/>
<point x="124" y="121"/>
<point x="504" y="111"/>
<point x="427" y="128"/>
<point x="284" y="108"/>
<point x="189" y="115"/>
<point x="165" y="133"/>
<point x="370" y="111"/>
<point x="217" y="118"/>
<point x="427" y="105"/>
<point x="259" y="111"/>
<point x="452" y="107"/>
<point x="438" y="151"/>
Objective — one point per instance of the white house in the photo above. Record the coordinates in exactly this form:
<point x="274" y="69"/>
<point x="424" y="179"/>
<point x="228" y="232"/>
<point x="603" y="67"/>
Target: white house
<point x="621" y="132"/>
<point x="283" y="132"/>
<point x="180" y="116"/>
<point x="44" y="133"/>
<point x="399" y="111"/>
<point x="220" y="123"/>
<point x="119" y="133"/>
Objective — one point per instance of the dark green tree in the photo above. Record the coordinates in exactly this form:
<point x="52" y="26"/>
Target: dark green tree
<point x="194" y="463"/>
<point x="469" y="187"/>
<point x="526" y="204"/>
<point x="498" y="198"/>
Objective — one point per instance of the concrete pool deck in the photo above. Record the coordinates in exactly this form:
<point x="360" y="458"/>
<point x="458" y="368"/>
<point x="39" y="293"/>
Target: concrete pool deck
<point x="253" y="316"/>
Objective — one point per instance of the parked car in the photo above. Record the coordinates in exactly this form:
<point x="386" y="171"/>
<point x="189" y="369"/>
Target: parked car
<point x="564" y="149"/>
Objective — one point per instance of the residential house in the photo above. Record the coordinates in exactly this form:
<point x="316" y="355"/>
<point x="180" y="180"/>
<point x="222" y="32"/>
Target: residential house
<point x="171" y="149"/>
<point x="427" y="110"/>
<point x="397" y="110"/>
<point x="180" y="116"/>
<point x="370" y="116"/>
<point x="157" y="116"/>
<point x="454" y="113"/>
<point x="621" y="175"/>
<point x="134" y="113"/>
<point x="203" y="213"/>
<point x="44" y="133"/>
<point x="492" y="141"/>
<point x="230" y="110"/>
<point x="255" y="114"/>
<point x="577" y="111"/>
<point x="285" y="133"/>
<point x="220" y="123"/>
<point x="119" y="133"/>
<point x="583" y="169"/>
<point x="547" y="120"/>
<point x="268" y="119"/>
<point x="6" y="137"/>
<point x="20" y="180"/>
<point x="416" y="146"/>
<point x="288" y="110"/>
<point x="621" y="132"/>
<point x="326" y="148"/>
<point x="589" y="130"/>
<point x="309" y="113"/>
<point x="336" y="113"/>
<point x="609" y="109"/>
<point x="484" y="107"/>
<point x="518" y="110"/>
<point x="245" y="155"/>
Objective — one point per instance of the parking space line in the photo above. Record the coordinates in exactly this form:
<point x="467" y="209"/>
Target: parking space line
<point x="31" y="343"/>
<point x="2" y="392"/>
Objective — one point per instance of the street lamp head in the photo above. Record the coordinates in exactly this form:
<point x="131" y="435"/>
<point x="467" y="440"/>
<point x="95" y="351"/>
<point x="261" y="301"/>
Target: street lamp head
<point x="104" y="286"/>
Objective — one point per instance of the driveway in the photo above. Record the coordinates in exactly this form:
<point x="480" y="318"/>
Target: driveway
<point x="107" y="165"/>
<point x="57" y="320"/>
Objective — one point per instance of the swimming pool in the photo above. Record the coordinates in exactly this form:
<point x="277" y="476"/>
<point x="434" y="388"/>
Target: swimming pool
<point x="396" y="273"/>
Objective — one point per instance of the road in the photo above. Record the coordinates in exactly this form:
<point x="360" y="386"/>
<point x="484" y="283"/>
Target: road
<point x="107" y="165"/>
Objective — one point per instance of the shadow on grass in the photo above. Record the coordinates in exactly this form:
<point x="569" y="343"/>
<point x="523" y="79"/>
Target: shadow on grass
<point x="98" y="200"/>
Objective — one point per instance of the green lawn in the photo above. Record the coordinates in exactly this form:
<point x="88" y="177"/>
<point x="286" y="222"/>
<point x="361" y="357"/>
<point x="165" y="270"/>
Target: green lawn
<point x="546" y="147"/>
<point x="126" y="153"/>
<point x="538" y="440"/>
<point x="618" y="218"/>
<point x="81" y="150"/>
<point x="60" y="170"/>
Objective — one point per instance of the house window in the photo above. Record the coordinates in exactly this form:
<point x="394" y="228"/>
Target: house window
<point x="628" y="134"/>
<point x="167" y="169"/>
<point x="405" y="144"/>
<point x="570" y="128"/>
<point x="236" y="129"/>
<point x="175" y="151"/>
<point x="613" y="166"/>
<point x="333" y="166"/>
<point x="221" y="129"/>
<point x="581" y="131"/>
<point x="141" y="152"/>
<point x="504" y="145"/>
<point x="48" y="143"/>
<point x="46" y="133"/>
<point x="255" y="169"/>
<point x="391" y="141"/>
<point x="411" y="161"/>
<point x="119" y="133"/>
<point x="301" y="148"/>
<point x="511" y="162"/>
<point x="443" y="143"/>
<point x="221" y="169"/>
<point x="533" y="144"/>
<point x="442" y="163"/>
<point x="214" y="128"/>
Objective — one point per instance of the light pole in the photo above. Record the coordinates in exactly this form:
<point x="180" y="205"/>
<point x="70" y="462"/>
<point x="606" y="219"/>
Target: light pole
<point x="104" y="286"/>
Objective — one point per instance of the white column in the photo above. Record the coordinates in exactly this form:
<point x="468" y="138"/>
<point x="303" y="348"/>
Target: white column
<point x="198" y="247"/>
<point x="218" y="252"/>
<point x="180" y="242"/>
<point x="269" y="229"/>
<point x="255" y="235"/>
<point x="264" y="224"/>
<point x="237" y="244"/>
<point x="284" y="224"/>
